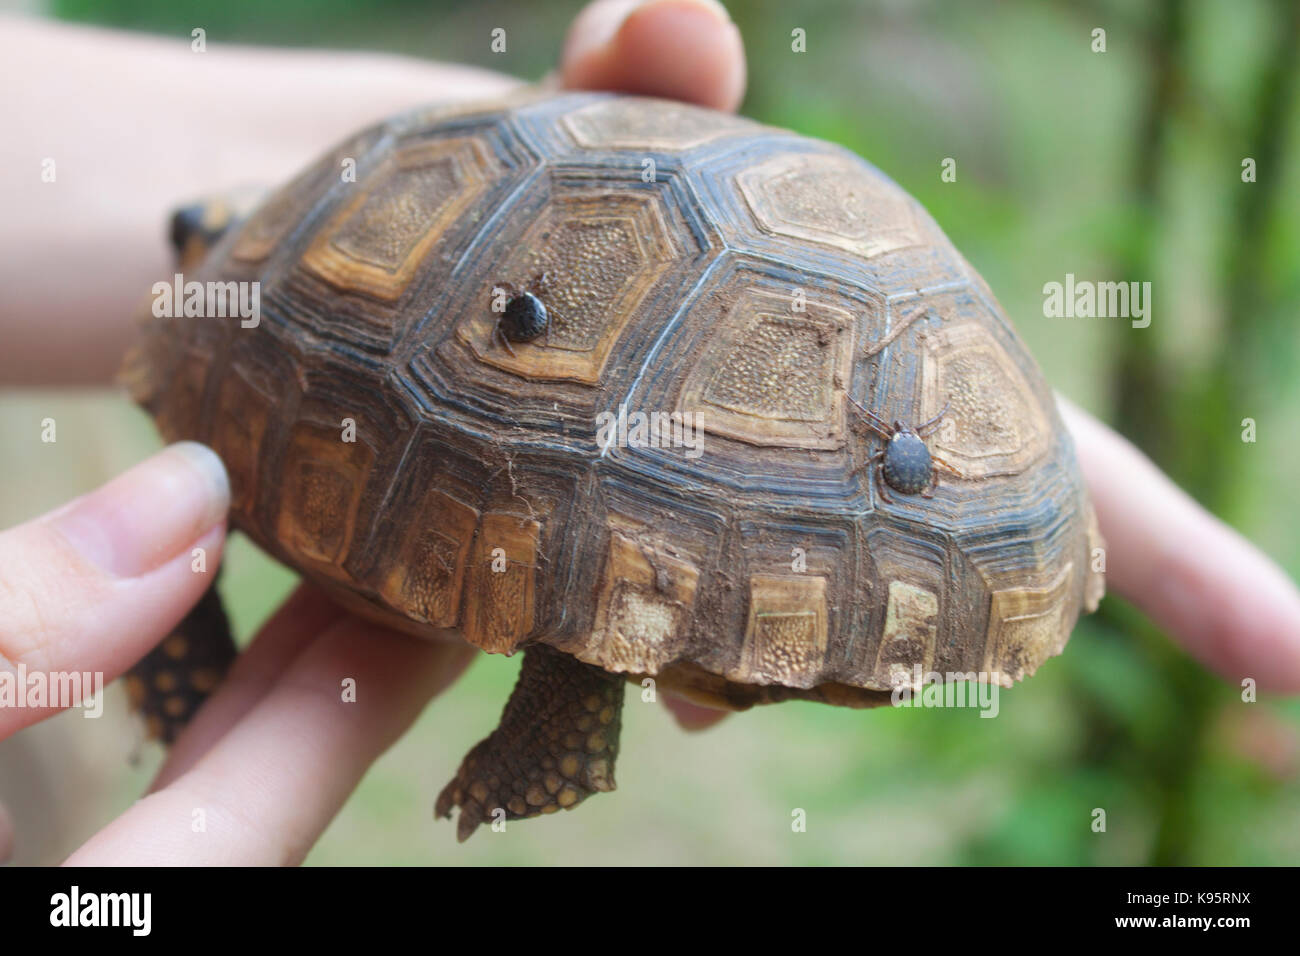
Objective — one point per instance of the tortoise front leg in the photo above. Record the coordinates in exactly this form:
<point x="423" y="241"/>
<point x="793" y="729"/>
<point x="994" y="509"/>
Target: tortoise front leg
<point x="200" y="225"/>
<point x="555" y="746"/>
<point x="171" y="682"/>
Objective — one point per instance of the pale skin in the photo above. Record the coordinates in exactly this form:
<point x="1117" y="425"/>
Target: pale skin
<point x="137" y="125"/>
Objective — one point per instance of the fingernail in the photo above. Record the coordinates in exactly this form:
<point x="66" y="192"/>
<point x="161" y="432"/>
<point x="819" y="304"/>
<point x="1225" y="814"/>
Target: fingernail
<point x="713" y="6"/>
<point x="596" y="26"/>
<point x="143" y="518"/>
<point x="599" y="22"/>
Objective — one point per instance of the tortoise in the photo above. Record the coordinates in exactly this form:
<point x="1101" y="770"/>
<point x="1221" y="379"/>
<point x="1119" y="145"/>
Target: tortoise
<point x="605" y="379"/>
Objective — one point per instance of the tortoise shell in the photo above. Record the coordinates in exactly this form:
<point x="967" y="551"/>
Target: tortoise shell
<point x="735" y="284"/>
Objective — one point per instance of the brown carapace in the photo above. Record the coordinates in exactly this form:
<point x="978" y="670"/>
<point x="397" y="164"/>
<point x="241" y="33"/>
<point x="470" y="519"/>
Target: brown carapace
<point x="702" y="271"/>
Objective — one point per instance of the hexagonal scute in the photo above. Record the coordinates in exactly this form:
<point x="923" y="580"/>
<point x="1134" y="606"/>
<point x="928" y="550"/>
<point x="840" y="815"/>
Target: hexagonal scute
<point x="274" y="219"/>
<point x="375" y="243"/>
<point x="501" y="107"/>
<point x="348" y="257"/>
<point x="772" y="376"/>
<point x="770" y="352"/>
<point x="830" y="199"/>
<point x="626" y="123"/>
<point x="594" y="254"/>
<point x="995" y="424"/>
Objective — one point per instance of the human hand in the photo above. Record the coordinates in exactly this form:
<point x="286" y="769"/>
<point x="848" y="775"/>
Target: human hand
<point x="272" y="756"/>
<point x="1201" y="582"/>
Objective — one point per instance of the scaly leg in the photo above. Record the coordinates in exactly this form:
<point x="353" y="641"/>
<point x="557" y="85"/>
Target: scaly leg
<point x="555" y="746"/>
<point x="200" y="225"/>
<point x="172" y="681"/>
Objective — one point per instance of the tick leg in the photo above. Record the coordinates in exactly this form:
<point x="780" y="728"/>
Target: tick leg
<point x="876" y="425"/>
<point x="936" y="460"/>
<point x="501" y="337"/>
<point x="928" y="427"/>
<point x="934" y="483"/>
<point x="880" y="484"/>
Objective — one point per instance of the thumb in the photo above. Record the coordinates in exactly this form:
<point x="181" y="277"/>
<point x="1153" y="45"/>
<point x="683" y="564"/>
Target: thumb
<point x="679" y="49"/>
<point x="91" y="587"/>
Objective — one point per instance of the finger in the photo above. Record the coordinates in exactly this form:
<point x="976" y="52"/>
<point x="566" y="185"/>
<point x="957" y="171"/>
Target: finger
<point x="1198" y="579"/>
<point x="307" y="613"/>
<point x="303" y="617"/>
<point x="93" y="586"/>
<point x="692" y="716"/>
<point x="270" y="786"/>
<point x="680" y="49"/>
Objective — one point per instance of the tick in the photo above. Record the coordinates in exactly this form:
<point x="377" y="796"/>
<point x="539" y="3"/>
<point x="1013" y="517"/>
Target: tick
<point x="905" y="463"/>
<point x="524" y="317"/>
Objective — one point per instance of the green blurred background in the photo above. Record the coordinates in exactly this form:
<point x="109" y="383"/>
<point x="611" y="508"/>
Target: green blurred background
<point x="1123" y="165"/>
